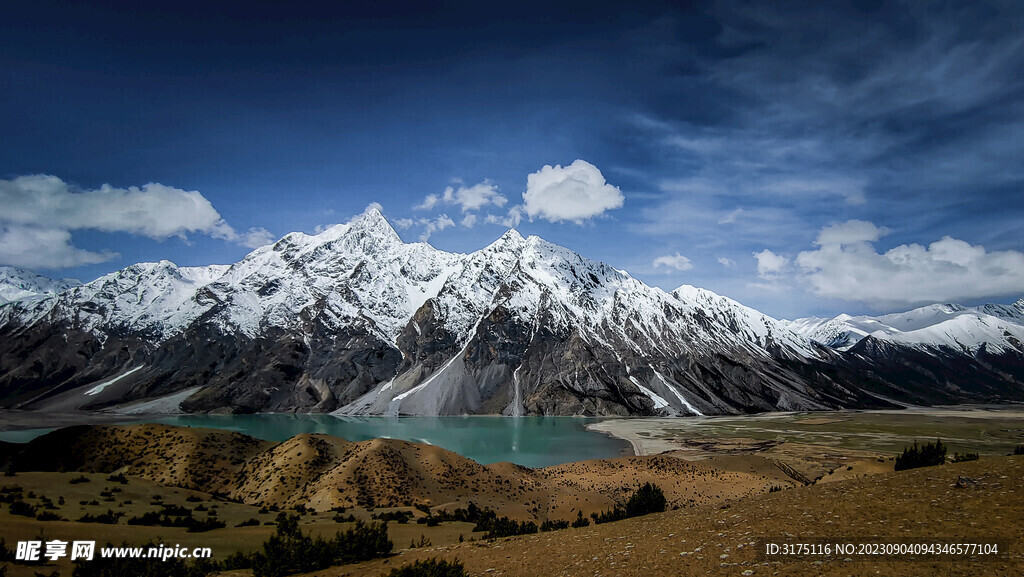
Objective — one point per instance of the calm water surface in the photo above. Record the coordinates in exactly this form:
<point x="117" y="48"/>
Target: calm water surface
<point x="529" y="441"/>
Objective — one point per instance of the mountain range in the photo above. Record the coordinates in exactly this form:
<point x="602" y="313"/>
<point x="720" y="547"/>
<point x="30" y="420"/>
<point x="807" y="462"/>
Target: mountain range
<point x="355" y="321"/>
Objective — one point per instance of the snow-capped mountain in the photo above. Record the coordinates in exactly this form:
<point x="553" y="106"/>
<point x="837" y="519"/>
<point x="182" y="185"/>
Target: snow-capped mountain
<point x="355" y="321"/>
<point x="22" y="285"/>
<point x="996" y="328"/>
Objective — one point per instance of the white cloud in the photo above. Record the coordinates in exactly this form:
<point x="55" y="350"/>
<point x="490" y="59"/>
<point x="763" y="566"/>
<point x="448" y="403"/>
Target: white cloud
<point x="769" y="264"/>
<point x="676" y="261"/>
<point x="476" y="196"/>
<point x="851" y="190"/>
<point x="255" y="237"/>
<point x="726" y="262"/>
<point x="948" y="270"/>
<point x="731" y="217"/>
<point x="155" y="210"/>
<point x="428" y="203"/>
<point x="434" y="225"/>
<point x="511" y="220"/>
<point x="47" y="209"/>
<point x="574" y="193"/>
<point x="467" y="198"/>
<point x="849" y="232"/>
<point x="469" y="220"/>
<point x="404" y="223"/>
<point x="51" y="248"/>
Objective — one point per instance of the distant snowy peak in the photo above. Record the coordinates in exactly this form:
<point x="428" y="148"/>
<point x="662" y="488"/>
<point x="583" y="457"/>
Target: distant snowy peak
<point x="19" y="285"/>
<point x="965" y="329"/>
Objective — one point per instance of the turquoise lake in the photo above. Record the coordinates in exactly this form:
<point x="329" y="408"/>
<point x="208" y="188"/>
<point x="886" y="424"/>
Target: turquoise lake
<point x="528" y="441"/>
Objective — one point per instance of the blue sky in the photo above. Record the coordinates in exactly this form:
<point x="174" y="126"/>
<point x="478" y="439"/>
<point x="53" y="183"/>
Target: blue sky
<point x="802" y="159"/>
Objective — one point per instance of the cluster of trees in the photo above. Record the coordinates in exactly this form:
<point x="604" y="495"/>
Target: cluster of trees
<point x="921" y="456"/>
<point x="177" y="516"/>
<point x="289" y="551"/>
<point x="286" y="552"/>
<point x="496" y="527"/>
<point x="400" y="517"/>
<point x="649" y="498"/>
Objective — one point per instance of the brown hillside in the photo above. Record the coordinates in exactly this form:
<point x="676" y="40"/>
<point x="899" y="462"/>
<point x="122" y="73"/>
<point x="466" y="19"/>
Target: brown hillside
<point x="323" y="472"/>
<point x="201" y="459"/>
<point x="974" y="502"/>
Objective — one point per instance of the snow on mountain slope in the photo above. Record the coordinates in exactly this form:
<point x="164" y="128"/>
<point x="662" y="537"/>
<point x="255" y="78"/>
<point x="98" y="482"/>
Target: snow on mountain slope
<point x="753" y="326"/>
<point x="355" y="273"/>
<point x="957" y="327"/>
<point x="19" y="285"/>
<point x="548" y="296"/>
<point x="155" y="298"/>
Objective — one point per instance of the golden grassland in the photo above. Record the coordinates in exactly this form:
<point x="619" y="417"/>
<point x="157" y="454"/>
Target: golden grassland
<point x="727" y="498"/>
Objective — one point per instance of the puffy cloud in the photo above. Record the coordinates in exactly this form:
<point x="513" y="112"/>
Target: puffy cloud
<point x="769" y="264"/>
<point x="434" y="225"/>
<point x="428" y="203"/>
<point x="155" y="210"/>
<point x="45" y="209"/>
<point x="51" y="248"/>
<point x="467" y="198"/>
<point x="676" y="261"/>
<point x="849" y="232"/>
<point x="254" y="237"/>
<point x="574" y="193"/>
<point x="469" y="220"/>
<point x="511" y="220"/>
<point x="947" y="270"/>
<point x="726" y="262"/>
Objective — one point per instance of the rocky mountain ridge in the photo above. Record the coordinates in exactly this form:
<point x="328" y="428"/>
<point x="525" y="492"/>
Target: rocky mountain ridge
<point x="355" y="321"/>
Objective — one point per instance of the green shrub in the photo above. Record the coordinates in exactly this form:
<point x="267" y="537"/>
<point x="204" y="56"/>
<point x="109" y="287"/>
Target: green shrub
<point x="432" y="567"/>
<point x="958" y="458"/>
<point x="108" y="518"/>
<point x="495" y="527"/>
<point x="550" y="525"/>
<point x="22" y="508"/>
<point x="289" y="551"/>
<point x="921" y="456"/>
<point x="647" y="499"/>
<point x="6" y="554"/>
<point x="400" y="517"/>
<point x="580" y="521"/>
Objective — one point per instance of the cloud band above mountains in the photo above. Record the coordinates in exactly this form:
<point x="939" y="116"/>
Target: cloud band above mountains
<point x="40" y="211"/>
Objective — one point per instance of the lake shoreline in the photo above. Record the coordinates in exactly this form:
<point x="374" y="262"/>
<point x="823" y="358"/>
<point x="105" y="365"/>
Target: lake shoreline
<point x="533" y="441"/>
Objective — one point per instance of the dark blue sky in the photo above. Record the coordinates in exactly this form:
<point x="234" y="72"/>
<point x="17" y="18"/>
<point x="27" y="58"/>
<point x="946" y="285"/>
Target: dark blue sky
<point x="803" y="158"/>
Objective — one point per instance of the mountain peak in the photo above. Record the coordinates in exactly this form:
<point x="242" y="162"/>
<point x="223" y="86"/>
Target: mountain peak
<point x="513" y="235"/>
<point x="373" y="220"/>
